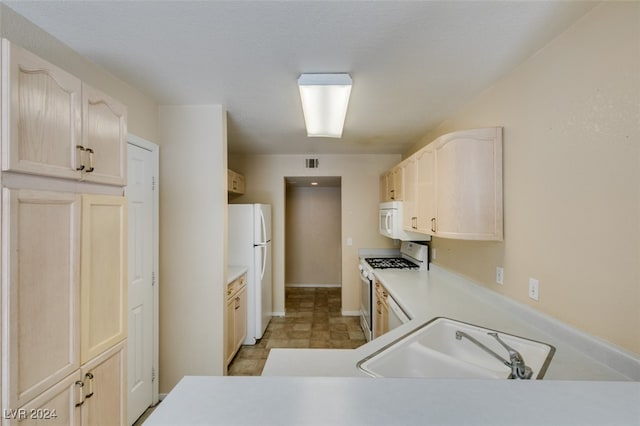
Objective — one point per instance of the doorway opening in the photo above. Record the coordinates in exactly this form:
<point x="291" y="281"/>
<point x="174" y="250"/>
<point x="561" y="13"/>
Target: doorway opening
<point x="313" y="232"/>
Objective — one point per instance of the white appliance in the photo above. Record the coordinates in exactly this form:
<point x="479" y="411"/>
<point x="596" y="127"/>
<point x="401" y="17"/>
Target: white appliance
<point x="390" y="223"/>
<point x="249" y="233"/>
<point x="413" y="256"/>
<point x="397" y="317"/>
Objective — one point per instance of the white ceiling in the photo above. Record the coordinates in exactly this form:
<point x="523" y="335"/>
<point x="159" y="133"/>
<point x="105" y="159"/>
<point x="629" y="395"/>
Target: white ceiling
<point x="413" y="63"/>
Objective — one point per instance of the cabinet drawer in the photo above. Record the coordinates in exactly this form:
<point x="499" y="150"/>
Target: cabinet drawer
<point x="241" y="282"/>
<point x="231" y="289"/>
<point x="381" y="290"/>
<point x="236" y="285"/>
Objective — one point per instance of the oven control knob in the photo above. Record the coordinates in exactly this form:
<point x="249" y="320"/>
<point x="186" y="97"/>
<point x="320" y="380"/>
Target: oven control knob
<point x="360" y="268"/>
<point x="370" y="275"/>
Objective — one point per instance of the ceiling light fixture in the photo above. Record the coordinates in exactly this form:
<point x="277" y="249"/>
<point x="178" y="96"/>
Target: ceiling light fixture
<point x="324" y="102"/>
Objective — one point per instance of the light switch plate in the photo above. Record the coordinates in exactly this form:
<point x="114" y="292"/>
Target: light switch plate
<point x="500" y="275"/>
<point x="534" y="289"/>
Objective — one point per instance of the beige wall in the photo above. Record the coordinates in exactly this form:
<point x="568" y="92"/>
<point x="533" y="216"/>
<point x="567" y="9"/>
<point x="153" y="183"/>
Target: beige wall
<point x="313" y="252"/>
<point x="142" y="110"/>
<point x="193" y="233"/>
<point x="571" y="178"/>
<point x="360" y="197"/>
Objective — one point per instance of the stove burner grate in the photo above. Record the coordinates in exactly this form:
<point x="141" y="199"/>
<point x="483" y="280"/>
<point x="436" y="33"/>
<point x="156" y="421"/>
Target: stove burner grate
<point x="390" y="263"/>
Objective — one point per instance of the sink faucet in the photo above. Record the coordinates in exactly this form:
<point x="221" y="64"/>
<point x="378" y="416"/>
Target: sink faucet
<point x="519" y="369"/>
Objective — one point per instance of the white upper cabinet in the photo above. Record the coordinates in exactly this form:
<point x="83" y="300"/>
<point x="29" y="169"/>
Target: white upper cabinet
<point x="469" y="185"/>
<point x="42" y="121"/>
<point x="55" y="125"/>
<point x="409" y="206"/>
<point x="392" y="184"/>
<point x="104" y="138"/>
<point x="425" y="188"/>
<point x="453" y="186"/>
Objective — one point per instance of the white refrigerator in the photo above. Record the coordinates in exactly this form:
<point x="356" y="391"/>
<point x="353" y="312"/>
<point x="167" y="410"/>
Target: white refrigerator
<point x="249" y="245"/>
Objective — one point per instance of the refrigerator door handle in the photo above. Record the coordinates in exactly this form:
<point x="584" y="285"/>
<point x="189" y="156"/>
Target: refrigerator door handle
<point x="264" y="227"/>
<point x="264" y="261"/>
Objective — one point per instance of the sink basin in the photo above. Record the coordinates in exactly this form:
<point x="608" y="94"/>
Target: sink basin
<point x="433" y="351"/>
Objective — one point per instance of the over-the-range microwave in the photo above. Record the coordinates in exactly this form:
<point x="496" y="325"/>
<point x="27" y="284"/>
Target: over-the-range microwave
<point x="390" y="223"/>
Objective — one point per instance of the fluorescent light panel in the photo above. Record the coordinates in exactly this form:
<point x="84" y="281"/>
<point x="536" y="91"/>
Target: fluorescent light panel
<point x="325" y="98"/>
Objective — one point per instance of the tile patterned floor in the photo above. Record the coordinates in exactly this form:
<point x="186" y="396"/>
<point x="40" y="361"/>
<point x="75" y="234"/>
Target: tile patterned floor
<point x="313" y="320"/>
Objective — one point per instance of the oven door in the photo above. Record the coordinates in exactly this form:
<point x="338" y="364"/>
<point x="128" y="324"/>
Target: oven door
<point x="365" y="305"/>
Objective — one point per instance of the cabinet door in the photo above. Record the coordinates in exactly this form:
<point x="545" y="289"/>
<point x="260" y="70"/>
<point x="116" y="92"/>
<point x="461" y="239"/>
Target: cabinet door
<point x="235" y="182"/>
<point x="425" y="187"/>
<point x="398" y="183"/>
<point x="230" y="175"/>
<point x="103" y="274"/>
<point x="59" y="405"/>
<point x="40" y="291"/>
<point x="229" y="335"/>
<point x="383" y="188"/>
<point x="409" y="206"/>
<point x="104" y="136"/>
<point x="105" y="388"/>
<point x="42" y="121"/>
<point x="469" y="184"/>
<point x="384" y="317"/>
<point x="377" y="312"/>
<point x="241" y="184"/>
<point x="240" y="309"/>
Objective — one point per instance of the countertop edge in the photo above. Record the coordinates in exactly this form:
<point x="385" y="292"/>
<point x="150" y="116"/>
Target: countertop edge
<point x="601" y="351"/>
<point x="355" y="401"/>
<point x="234" y="272"/>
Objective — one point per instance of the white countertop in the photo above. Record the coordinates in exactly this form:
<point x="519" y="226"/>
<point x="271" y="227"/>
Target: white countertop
<point x="234" y="272"/>
<point x="587" y="383"/>
<point x="425" y="295"/>
<point x="334" y="401"/>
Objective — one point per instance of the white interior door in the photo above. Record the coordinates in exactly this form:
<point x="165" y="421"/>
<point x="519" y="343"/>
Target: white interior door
<point x="142" y="253"/>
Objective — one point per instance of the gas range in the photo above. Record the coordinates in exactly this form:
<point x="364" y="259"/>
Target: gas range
<point x="413" y="256"/>
<point x="390" y="263"/>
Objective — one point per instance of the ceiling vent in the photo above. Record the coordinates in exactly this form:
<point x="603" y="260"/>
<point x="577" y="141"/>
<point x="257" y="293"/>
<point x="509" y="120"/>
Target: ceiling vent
<point x="311" y="163"/>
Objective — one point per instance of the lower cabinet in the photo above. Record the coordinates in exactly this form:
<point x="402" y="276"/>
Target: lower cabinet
<point x="103" y="274"/>
<point x="94" y="395"/>
<point x="104" y="388"/>
<point x="236" y="315"/>
<point x="381" y="312"/>
<point x="63" y="290"/>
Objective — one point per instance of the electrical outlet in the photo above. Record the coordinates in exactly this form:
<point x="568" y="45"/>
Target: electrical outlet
<point x="500" y="275"/>
<point x="534" y="289"/>
<point x="433" y="253"/>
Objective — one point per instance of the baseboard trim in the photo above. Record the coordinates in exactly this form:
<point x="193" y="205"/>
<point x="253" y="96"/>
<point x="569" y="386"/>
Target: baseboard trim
<point x="278" y="314"/>
<point x="350" y="313"/>
<point x="313" y="285"/>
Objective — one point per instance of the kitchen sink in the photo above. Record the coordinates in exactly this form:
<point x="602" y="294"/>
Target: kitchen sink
<point x="445" y="348"/>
